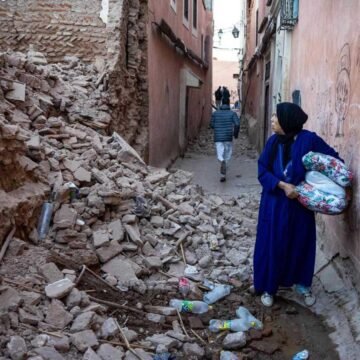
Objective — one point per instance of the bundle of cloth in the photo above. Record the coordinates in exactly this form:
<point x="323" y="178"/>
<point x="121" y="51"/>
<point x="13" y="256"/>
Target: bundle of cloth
<point x="323" y="190"/>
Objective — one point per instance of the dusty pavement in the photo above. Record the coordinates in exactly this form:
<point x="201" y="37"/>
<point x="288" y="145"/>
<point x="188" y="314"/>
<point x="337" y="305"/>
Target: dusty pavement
<point x="292" y="326"/>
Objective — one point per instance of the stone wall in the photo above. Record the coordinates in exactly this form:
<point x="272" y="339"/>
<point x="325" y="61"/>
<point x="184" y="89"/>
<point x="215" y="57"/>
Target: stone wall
<point x="55" y="27"/>
<point x="127" y="60"/>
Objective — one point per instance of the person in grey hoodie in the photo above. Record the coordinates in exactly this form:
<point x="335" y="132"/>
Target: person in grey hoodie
<point x="226" y="125"/>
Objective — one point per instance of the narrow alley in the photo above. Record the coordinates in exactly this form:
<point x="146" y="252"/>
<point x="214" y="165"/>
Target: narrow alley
<point x="121" y="235"/>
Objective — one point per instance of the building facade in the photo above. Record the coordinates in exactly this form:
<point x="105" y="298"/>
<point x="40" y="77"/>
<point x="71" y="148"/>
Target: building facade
<point x="179" y="75"/>
<point x="309" y="53"/>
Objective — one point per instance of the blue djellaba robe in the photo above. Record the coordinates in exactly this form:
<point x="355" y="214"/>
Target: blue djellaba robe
<point x="286" y="235"/>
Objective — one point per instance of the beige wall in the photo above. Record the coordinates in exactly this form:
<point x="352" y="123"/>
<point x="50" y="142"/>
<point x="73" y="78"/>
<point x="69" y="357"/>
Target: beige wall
<point x="223" y="72"/>
<point x="325" y="67"/>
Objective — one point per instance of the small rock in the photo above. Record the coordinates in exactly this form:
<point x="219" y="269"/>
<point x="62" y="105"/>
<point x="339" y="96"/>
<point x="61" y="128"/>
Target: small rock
<point x="57" y="316"/>
<point x="205" y="261"/>
<point x="48" y="353"/>
<point x="108" y="352"/>
<point x="156" y="318"/>
<point x="59" y="289"/>
<point x="234" y="340"/>
<point x="153" y="262"/>
<point x="17" y="348"/>
<point x="193" y="350"/>
<point x="84" y="339"/>
<point x="74" y="298"/>
<point x="117" y="230"/>
<point x="82" y="322"/>
<point x="90" y="354"/>
<point x="109" y="328"/>
<point x="140" y="352"/>
<point x="101" y="237"/>
<point x="27" y="318"/>
<point x="106" y="253"/>
<point x="82" y="175"/>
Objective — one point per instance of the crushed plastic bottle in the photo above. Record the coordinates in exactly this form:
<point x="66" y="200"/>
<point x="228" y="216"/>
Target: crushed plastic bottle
<point x="45" y="218"/>
<point x="184" y="286"/>
<point x="234" y="325"/>
<point x="209" y="284"/>
<point x="217" y="293"/>
<point x="302" y="355"/>
<point x="228" y="355"/>
<point x="186" y="306"/>
<point x="244" y="314"/>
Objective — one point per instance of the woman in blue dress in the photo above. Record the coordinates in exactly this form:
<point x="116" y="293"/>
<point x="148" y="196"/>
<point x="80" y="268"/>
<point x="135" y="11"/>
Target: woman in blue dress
<point x="286" y="236"/>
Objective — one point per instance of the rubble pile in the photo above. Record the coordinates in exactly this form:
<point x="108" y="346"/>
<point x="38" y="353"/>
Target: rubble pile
<point x="121" y="234"/>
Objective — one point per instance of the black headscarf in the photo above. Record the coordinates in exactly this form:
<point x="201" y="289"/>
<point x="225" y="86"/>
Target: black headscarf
<point x="291" y="119"/>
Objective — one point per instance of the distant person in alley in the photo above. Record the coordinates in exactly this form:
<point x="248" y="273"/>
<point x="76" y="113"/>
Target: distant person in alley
<point x="226" y="125"/>
<point x="225" y="95"/>
<point x="218" y="97"/>
<point x="286" y="237"/>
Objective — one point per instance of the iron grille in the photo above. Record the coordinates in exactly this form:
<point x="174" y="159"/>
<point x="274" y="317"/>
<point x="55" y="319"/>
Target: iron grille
<point x="289" y="14"/>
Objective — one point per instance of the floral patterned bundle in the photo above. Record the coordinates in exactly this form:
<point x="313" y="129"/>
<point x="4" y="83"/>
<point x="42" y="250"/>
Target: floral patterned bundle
<point x="319" y="201"/>
<point x="317" y="198"/>
<point x="333" y="168"/>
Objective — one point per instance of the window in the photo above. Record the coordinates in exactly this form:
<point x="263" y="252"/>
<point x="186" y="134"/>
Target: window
<point x="186" y="11"/>
<point x="195" y="14"/>
<point x="173" y="4"/>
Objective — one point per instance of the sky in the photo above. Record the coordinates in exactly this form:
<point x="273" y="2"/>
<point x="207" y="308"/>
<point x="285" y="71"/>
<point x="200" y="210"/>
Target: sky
<point x="227" y="13"/>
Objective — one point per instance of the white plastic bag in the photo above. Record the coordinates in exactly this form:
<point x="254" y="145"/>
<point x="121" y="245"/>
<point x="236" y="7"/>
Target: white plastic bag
<point x="323" y="183"/>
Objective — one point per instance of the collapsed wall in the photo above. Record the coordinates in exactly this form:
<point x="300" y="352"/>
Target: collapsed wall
<point x="62" y="28"/>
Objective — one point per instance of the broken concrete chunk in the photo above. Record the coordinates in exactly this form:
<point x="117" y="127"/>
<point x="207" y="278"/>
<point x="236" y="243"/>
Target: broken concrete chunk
<point x="82" y="322"/>
<point x="101" y="238"/>
<point x="9" y="299"/>
<point x="84" y="340"/>
<point x="140" y="352"/>
<point x="157" y="221"/>
<point x="17" y="348"/>
<point x="51" y="272"/>
<point x="121" y="269"/>
<point x="57" y="316"/>
<point x="157" y="176"/>
<point x="90" y="354"/>
<point x="156" y="318"/>
<point x="108" y="352"/>
<point x="117" y="230"/>
<point x="48" y="353"/>
<point x="65" y="217"/>
<point x="193" y="350"/>
<point x="161" y="339"/>
<point x="235" y="340"/>
<point x="27" y="318"/>
<point x="134" y="233"/>
<point x="153" y="262"/>
<point x="74" y="298"/>
<point x="109" y="328"/>
<point x="72" y="165"/>
<point x="59" y="288"/>
<point x="82" y="175"/>
<point x="106" y="253"/>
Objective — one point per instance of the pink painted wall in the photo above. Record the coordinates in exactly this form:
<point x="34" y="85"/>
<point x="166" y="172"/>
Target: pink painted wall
<point x="325" y="67"/>
<point x="164" y="66"/>
<point x="223" y="72"/>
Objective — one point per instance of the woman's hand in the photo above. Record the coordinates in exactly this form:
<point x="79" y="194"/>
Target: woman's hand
<point x="289" y="189"/>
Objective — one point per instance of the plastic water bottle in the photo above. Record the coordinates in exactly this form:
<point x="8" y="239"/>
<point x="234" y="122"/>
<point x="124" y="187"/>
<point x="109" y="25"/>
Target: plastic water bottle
<point x="184" y="286"/>
<point x="217" y="293"/>
<point x="235" y="325"/>
<point x="209" y="284"/>
<point x="302" y="355"/>
<point x="244" y="314"/>
<point x="185" y="306"/>
<point x="228" y="355"/>
<point x="45" y="218"/>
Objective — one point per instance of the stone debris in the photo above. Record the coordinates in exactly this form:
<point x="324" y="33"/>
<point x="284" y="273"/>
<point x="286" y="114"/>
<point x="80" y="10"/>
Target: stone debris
<point x="127" y="222"/>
